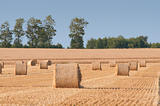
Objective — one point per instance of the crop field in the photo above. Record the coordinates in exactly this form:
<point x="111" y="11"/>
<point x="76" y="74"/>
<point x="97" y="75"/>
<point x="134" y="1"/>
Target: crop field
<point x="97" y="88"/>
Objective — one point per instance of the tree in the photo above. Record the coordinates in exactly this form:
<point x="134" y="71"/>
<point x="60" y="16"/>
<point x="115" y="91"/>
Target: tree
<point x="99" y="43"/>
<point x="120" y="42"/>
<point x="77" y="32"/>
<point x="105" y="42"/>
<point x="112" y="42"/>
<point x="155" y="45"/>
<point x="91" y="44"/>
<point x="46" y="32"/>
<point x="77" y="42"/>
<point x="18" y="32"/>
<point x="32" y="33"/>
<point x="142" y="41"/>
<point x="5" y="35"/>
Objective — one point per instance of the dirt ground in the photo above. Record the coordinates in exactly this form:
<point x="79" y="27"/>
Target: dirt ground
<point x="100" y="88"/>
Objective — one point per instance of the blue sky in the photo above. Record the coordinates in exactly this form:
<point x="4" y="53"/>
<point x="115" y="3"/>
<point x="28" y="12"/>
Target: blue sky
<point x="129" y="18"/>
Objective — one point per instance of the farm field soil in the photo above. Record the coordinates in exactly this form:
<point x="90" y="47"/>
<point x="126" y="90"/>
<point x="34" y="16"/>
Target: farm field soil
<point x="98" y="87"/>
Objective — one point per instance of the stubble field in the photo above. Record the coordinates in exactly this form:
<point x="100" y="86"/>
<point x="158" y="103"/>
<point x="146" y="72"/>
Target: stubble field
<point x="98" y="87"/>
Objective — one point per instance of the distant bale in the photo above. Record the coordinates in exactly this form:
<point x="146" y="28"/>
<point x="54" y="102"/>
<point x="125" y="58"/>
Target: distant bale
<point x="112" y="63"/>
<point x="32" y="62"/>
<point x="96" y="65"/>
<point x="142" y="63"/>
<point x="49" y="62"/>
<point x="133" y="66"/>
<point x="2" y="64"/>
<point x="43" y="65"/>
<point x="21" y="68"/>
<point x="67" y="76"/>
<point x="123" y="69"/>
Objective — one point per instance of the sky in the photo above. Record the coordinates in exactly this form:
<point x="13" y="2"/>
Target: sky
<point x="129" y="18"/>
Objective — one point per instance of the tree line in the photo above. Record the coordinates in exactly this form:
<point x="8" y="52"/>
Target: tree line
<point x="40" y="33"/>
<point x="121" y="42"/>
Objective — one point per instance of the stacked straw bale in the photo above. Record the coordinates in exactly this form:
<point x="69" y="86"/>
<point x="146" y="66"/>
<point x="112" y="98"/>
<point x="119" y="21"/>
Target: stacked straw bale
<point x="32" y="62"/>
<point x="112" y="63"/>
<point x="67" y="76"/>
<point x="133" y="66"/>
<point x="142" y="63"/>
<point x="21" y="68"/>
<point x="123" y="69"/>
<point x="49" y="62"/>
<point x="96" y="65"/>
<point x="44" y="65"/>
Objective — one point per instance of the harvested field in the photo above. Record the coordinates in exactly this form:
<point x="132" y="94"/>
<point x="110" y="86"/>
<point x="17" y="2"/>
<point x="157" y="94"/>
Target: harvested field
<point x="98" y="87"/>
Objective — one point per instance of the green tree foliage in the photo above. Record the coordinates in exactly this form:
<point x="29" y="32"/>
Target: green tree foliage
<point x="118" y="42"/>
<point x="18" y="32"/>
<point x="155" y="45"/>
<point x="40" y="33"/>
<point x="91" y="44"/>
<point x="97" y="44"/>
<point x="33" y="27"/>
<point x="77" y="42"/>
<point x="77" y="32"/>
<point x="5" y="35"/>
<point x="46" y="32"/>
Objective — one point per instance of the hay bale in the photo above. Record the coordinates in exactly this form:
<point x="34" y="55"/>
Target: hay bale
<point x="142" y="63"/>
<point x="43" y="65"/>
<point x="32" y="62"/>
<point x="49" y="62"/>
<point x="112" y="63"/>
<point x="0" y="68"/>
<point x="123" y="69"/>
<point x="21" y="68"/>
<point x="133" y="65"/>
<point x="96" y="65"/>
<point x="67" y="76"/>
<point x="2" y="64"/>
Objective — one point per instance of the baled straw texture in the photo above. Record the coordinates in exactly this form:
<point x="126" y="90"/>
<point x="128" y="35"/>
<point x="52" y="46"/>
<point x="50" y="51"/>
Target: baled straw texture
<point x="21" y="68"/>
<point x="142" y="63"/>
<point x="112" y="63"/>
<point x="133" y="66"/>
<point x="32" y="62"/>
<point x="123" y="69"/>
<point x="43" y="65"/>
<point x="67" y="76"/>
<point x="49" y="62"/>
<point x="96" y="65"/>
